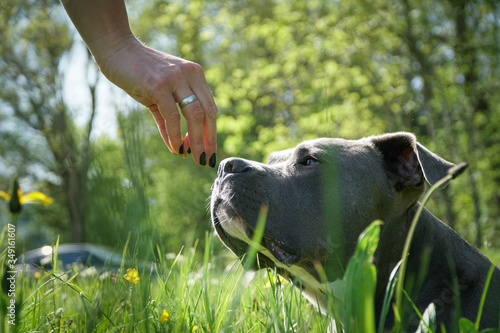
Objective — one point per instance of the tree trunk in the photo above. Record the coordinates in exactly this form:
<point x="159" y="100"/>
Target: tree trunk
<point x="476" y="99"/>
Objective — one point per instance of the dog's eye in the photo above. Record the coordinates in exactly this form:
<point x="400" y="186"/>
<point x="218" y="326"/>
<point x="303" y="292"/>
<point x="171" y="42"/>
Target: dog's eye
<point x="310" y="161"/>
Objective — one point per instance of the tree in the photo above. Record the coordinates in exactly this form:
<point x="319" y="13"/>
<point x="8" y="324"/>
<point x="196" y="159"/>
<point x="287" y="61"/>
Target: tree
<point x="281" y="72"/>
<point x="35" y="39"/>
<point x="453" y="45"/>
<point x="284" y="71"/>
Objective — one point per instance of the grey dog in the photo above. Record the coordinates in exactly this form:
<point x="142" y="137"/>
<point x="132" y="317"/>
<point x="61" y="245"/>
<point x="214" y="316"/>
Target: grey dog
<point x="323" y="193"/>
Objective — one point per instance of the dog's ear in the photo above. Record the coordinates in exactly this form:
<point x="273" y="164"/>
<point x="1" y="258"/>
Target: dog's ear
<point x="407" y="162"/>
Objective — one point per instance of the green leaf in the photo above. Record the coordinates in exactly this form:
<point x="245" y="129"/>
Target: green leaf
<point x="467" y="326"/>
<point x="368" y="240"/>
<point x="428" y="322"/>
<point x="360" y="282"/>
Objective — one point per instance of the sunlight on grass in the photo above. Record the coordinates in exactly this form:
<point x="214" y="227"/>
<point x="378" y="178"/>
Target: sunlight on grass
<point x="187" y="295"/>
<point x="184" y="293"/>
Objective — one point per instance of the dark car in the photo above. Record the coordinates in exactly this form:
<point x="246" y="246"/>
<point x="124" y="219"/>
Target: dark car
<point x="76" y="255"/>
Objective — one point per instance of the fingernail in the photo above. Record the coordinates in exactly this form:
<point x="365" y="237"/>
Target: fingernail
<point x="189" y="150"/>
<point x="213" y="160"/>
<point x="181" y="149"/>
<point x="203" y="159"/>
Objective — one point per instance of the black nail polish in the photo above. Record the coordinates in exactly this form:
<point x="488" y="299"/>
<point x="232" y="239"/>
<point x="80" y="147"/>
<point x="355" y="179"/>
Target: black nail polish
<point x="203" y="159"/>
<point x="189" y="150"/>
<point x="181" y="150"/>
<point x="213" y="160"/>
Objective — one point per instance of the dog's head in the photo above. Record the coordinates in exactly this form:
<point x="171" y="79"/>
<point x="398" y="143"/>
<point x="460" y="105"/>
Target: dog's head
<point x="320" y="196"/>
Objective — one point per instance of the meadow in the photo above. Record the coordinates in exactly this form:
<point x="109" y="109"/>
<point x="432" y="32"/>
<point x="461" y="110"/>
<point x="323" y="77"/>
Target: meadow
<point x="186" y="292"/>
<point x="183" y="293"/>
<point x="202" y="290"/>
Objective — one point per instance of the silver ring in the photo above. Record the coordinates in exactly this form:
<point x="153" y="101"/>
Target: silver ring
<point x="187" y="100"/>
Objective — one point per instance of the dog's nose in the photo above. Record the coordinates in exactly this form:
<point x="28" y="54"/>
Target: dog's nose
<point x="234" y="165"/>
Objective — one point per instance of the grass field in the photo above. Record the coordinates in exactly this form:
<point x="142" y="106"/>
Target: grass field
<point x="186" y="293"/>
<point x="189" y="292"/>
<point x="182" y="294"/>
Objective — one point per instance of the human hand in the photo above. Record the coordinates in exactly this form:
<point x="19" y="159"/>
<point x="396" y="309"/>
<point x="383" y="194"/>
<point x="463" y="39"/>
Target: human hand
<point x="155" y="79"/>
<point x="159" y="81"/>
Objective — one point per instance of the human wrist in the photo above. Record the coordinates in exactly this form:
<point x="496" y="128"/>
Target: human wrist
<point x="107" y="46"/>
<point x="103" y="25"/>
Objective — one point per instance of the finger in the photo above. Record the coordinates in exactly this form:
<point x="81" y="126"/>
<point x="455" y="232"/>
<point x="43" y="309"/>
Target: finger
<point x="210" y="140"/>
<point x="209" y="124"/>
<point x="160" y="122"/>
<point x="195" y="115"/>
<point x="198" y="84"/>
<point x="170" y="113"/>
<point x="187" y="146"/>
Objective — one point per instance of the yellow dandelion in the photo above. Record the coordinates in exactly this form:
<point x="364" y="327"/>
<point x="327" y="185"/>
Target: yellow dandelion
<point x="4" y="195"/>
<point x="38" y="275"/>
<point x="279" y="281"/>
<point x="195" y="328"/>
<point x="132" y="275"/>
<point x="30" y="197"/>
<point x="16" y="199"/>
<point x="165" y="316"/>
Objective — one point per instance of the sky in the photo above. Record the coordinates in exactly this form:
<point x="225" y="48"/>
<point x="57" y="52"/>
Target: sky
<point x="77" y="97"/>
<point x="110" y="100"/>
<point x="109" y="97"/>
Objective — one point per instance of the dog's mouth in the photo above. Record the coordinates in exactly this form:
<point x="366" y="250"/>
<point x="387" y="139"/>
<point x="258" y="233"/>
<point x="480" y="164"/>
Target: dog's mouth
<point x="273" y="247"/>
<point x="282" y="253"/>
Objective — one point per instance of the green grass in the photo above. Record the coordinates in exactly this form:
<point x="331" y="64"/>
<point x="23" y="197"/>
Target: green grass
<point x="200" y="295"/>
<point x="209" y="293"/>
<point x="187" y="292"/>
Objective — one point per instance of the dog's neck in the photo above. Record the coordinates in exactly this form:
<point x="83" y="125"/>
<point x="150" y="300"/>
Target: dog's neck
<point x="433" y="239"/>
<point x="436" y="251"/>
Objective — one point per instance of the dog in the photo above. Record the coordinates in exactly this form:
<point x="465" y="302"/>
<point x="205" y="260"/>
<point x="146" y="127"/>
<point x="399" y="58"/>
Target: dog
<point x="323" y="193"/>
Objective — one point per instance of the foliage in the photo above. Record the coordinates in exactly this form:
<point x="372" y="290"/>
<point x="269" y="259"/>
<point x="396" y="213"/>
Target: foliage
<point x="205" y="296"/>
<point x="41" y="139"/>
<point x="281" y="72"/>
<point x="286" y="71"/>
<point x="360" y="282"/>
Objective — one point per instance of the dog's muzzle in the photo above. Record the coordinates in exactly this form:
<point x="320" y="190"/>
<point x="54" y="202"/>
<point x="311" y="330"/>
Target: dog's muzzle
<point x="239" y="244"/>
<point x="231" y="223"/>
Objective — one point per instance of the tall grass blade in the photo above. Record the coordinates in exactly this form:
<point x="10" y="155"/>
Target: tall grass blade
<point x="452" y="173"/>
<point x="253" y="248"/>
<point x="164" y="283"/>
<point x="209" y="313"/>
<point x="389" y="293"/>
<point x="54" y="255"/>
<point x="124" y="253"/>
<point x="483" y="296"/>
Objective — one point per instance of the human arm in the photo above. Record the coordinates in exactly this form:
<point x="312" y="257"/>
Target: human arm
<point x="155" y="79"/>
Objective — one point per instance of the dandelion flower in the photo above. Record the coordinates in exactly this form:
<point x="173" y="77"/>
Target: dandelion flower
<point x="195" y="328"/>
<point x="132" y="275"/>
<point x="279" y="281"/>
<point x="165" y="316"/>
<point x="17" y="199"/>
<point x="31" y="197"/>
<point x="38" y="275"/>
